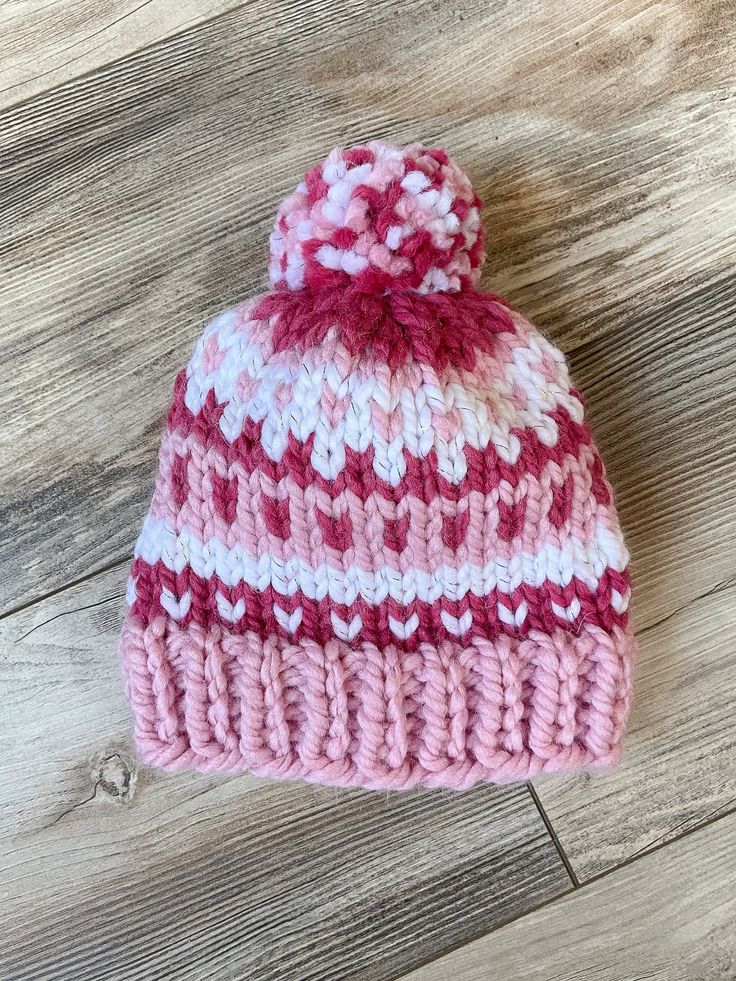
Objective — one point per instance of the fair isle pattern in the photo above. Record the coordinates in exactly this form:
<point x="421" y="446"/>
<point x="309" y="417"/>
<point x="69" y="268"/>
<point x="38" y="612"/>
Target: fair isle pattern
<point x="380" y="217"/>
<point x="385" y="544"/>
<point x="381" y="549"/>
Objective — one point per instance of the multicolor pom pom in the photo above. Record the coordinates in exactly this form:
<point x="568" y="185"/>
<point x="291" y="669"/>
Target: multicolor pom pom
<point x="380" y="218"/>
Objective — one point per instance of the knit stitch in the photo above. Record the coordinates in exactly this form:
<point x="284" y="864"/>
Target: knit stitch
<point x="381" y="550"/>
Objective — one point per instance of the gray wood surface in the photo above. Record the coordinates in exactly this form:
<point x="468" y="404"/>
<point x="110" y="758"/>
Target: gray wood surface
<point x="112" y="870"/>
<point x="47" y="44"/>
<point x="144" y="148"/>
<point x="669" y="916"/>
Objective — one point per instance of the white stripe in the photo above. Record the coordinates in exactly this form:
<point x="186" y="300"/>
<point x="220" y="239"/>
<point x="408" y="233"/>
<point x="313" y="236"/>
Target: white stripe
<point x="403" y="630"/>
<point x="228" y="611"/>
<point x="570" y="612"/>
<point x="233" y="565"/>
<point x="513" y="618"/>
<point x="619" y="601"/>
<point x="130" y="591"/>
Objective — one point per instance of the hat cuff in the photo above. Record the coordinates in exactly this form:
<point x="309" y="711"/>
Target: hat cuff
<point x="445" y="715"/>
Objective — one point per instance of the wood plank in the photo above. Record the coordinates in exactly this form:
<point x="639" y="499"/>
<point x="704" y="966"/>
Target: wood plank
<point x="669" y="917"/>
<point x="47" y="44"/>
<point x="137" y="202"/>
<point x="112" y="870"/>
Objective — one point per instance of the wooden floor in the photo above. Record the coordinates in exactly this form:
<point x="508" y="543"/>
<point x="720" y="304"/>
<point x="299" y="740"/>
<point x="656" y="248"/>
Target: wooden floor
<point x="143" y="150"/>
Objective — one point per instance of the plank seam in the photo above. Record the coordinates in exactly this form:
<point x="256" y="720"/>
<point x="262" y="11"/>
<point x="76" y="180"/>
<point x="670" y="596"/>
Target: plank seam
<point x="553" y="835"/>
<point x="659" y="845"/>
<point x="425" y="962"/>
<point x="583" y="886"/>
<point x="186" y="29"/>
<point x="126" y="559"/>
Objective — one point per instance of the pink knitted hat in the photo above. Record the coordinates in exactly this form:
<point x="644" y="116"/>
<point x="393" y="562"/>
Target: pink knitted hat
<point x="381" y="549"/>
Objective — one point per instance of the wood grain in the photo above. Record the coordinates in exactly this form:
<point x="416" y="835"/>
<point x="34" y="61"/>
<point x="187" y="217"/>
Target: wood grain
<point x="47" y="44"/>
<point x="668" y="917"/>
<point x="136" y="202"/>
<point x="115" y="871"/>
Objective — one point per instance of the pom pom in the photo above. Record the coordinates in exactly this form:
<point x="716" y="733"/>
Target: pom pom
<point x="380" y="218"/>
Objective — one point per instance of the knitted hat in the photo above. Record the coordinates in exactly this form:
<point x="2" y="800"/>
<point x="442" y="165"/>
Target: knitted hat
<point x="381" y="549"/>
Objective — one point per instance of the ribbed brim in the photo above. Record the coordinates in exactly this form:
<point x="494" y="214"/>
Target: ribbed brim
<point x="444" y="716"/>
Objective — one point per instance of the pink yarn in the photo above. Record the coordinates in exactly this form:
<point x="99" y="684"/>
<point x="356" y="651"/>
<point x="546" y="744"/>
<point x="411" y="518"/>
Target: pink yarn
<point x="335" y="713"/>
<point x="381" y="550"/>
